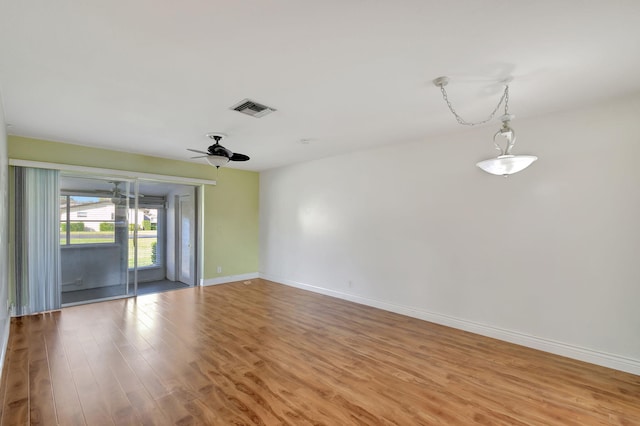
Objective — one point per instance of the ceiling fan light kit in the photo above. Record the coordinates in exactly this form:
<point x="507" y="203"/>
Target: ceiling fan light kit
<point x="217" y="160"/>
<point x="506" y="163"/>
<point x="217" y="155"/>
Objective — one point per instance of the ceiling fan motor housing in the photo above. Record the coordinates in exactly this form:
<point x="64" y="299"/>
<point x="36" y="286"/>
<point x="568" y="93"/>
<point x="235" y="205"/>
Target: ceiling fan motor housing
<point x="217" y="149"/>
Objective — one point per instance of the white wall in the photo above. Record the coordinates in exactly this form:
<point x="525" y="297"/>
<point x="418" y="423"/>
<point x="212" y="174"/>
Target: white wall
<point x="4" y="243"/>
<point x="549" y="258"/>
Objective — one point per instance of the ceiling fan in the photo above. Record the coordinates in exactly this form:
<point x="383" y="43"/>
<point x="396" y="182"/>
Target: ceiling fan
<point x="116" y="194"/>
<point x="217" y="155"/>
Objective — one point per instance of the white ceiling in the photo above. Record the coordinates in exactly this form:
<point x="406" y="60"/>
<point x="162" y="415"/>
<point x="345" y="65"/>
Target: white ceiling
<point x="153" y="77"/>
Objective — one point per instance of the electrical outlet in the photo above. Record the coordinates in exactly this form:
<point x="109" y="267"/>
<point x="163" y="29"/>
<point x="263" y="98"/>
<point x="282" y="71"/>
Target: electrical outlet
<point x="219" y="269"/>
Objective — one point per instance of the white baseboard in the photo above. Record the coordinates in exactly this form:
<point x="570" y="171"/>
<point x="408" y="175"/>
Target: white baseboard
<point x="230" y="279"/>
<point x="547" y="345"/>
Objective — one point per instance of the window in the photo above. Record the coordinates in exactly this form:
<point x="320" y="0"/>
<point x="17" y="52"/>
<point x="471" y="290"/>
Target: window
<point x="86" y="220"/>
<point x="149" y="254"/>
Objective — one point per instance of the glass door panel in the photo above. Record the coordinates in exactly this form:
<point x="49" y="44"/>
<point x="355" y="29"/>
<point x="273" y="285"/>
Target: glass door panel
<point x="94" y="238"/>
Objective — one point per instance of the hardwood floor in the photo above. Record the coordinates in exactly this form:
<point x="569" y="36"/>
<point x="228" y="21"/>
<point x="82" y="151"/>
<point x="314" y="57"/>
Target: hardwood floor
<point x="268" y="354"/>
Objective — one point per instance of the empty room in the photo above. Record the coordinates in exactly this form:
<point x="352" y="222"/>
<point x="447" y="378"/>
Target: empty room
<point x="318" y="213"/>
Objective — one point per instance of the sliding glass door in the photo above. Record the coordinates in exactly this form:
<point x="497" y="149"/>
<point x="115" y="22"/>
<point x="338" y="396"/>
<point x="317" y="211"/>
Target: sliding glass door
<point x="121" y="238"/>
<point x="81" y="237"/>
<point x="95" y="224"/>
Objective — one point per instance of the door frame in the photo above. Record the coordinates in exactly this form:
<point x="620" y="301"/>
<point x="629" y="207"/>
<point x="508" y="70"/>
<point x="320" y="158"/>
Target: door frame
<point x="194" y="247"/>
<point x="198" y="183"/>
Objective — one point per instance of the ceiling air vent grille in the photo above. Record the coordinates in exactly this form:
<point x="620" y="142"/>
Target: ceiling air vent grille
<point x="252" y="108"/>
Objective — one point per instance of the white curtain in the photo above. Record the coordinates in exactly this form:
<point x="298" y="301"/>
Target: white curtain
<point x="37" y="240"/>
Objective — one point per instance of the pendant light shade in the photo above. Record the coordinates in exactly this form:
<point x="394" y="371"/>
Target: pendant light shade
<point x="217" y="160"/>
<point x="506" y="165"/>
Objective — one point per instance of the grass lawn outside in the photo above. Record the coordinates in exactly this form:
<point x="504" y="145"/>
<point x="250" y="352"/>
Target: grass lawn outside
<point x="144" y="244"/>
<point x="144" y="251"/>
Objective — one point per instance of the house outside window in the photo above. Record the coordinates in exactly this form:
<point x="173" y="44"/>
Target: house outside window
<point x="91" y="220"/>
<point x="86" y="220"/>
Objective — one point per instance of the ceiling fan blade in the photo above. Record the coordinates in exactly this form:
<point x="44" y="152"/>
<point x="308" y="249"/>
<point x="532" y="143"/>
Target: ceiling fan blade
<point x="127" y="195"/>
<point x="199" y="152"/>
<point x="200" y="156"/>
<point x="239" y="157"/>
<point x="85" y="191"/>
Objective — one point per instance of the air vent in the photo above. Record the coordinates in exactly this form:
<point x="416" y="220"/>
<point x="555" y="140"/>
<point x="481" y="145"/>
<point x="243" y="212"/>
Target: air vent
<point x="252" y="108"/>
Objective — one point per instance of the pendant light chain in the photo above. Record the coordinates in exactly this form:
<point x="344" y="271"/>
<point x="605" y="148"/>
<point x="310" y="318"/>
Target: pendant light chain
<point x="506" y="163"/>
<point x="504" y="98"/>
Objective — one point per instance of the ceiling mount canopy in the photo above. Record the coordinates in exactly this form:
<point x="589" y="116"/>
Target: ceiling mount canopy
<point x="506" y="163"/>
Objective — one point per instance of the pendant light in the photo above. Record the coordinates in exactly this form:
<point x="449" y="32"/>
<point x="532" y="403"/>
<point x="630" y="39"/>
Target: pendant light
<point x="506" y="163"/>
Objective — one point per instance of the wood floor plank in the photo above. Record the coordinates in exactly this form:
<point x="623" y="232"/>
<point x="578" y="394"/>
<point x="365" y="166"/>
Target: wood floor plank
<point x="94" y="406"/>
<point x="15" y="394"/>
<point x="147" y="410"/>
<point x="42" y="407"/>
<point x="144" y="372"/>
<point x="112" y="394"/>
<point x="65" y="395"/>
<point x="269" y="354"/>
<point x="174" y="408"/>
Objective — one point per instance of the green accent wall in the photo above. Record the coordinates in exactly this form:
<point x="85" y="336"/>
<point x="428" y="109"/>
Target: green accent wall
<point x="233" y="206"/>
<point x="230" y="207"/>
